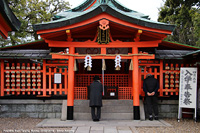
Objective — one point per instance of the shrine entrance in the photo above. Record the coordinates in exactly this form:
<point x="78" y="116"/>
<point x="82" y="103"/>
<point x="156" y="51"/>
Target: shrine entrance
<point x="116" y="83"/>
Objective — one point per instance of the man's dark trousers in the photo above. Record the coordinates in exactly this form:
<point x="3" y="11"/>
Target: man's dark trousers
<point x="98" y="115"/>
<point x="152" y="101"/>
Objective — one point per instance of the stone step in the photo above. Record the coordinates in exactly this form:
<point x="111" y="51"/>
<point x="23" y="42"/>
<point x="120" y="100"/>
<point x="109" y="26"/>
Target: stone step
<point x="105" y="109"/>
<point x="111" y="110"/>
<point x="105" y="102"/>
<point x="104" y="116"/>
<point x="109" y="106"/>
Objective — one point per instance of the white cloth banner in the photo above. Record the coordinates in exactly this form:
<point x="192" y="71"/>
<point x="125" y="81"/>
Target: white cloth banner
<point x="188" y="87"/>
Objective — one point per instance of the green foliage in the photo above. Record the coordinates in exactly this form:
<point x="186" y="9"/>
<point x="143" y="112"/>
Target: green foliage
<point x="185" y="14"/>
<point x="31" y="12"/>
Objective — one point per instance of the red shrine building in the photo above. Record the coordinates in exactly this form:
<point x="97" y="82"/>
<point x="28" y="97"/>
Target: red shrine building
<point x="98" y="37"/>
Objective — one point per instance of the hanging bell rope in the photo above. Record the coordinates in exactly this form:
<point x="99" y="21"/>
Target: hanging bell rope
<point x="104" y="65"/>
<point x="131" y="65"/>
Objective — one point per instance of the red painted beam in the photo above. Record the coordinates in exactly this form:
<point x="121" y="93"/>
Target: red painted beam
<point x="91" y="44"/>
<point x="59" y="56"/>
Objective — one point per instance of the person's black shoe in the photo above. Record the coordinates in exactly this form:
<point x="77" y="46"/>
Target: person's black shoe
<point x="95" y="120"/>
<point x="156" y="118"/>
<point x="151" y="118"/>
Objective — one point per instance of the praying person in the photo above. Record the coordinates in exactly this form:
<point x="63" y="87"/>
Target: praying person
<point x="96" y="90"/>
<point x="150" y="87"/>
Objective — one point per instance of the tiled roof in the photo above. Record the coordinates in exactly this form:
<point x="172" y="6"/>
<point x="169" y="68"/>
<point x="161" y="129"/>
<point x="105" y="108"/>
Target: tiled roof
<point x="171" y="54"/>
<point x="112" y="7"/>
<point x="25" y="54"/>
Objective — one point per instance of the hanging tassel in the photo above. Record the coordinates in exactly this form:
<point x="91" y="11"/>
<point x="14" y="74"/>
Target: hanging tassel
<point x="117" y="68"/>
<point x="103" y="65"/>
<point x="75" y="66"/>
<point x="89" y="68"/>
<point x="131" y="65"/>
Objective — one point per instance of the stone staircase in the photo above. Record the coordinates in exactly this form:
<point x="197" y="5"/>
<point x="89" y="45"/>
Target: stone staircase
<point x="111" y="110"/>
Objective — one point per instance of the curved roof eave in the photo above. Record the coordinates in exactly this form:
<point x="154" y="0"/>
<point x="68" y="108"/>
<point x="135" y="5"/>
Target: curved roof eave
<point x="103" y="8"/>
<point x="182" y="45"/>
<point x="9" y="16"/>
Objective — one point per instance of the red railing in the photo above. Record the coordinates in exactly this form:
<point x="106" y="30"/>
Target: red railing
<point x="120" y="80"/>
<point x="80" y="93"/>
<point x="51" y="87"/>
<point x="82" y="81"/>
<point x="125" y="93"/>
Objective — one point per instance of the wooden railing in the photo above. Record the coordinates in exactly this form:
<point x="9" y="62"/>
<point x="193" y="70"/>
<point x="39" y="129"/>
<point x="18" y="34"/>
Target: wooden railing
<point x="120" y="80"/>
<point x="80" y="93"/>
<point x="125" y="93"/>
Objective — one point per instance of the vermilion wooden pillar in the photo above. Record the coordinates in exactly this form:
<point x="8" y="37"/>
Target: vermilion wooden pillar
<point x="161" y="78"/>
<point x="44" y="79"/>
<point x="70" y="94"/>
<point x="136" y="99"/>
<point x="2" y="77"/>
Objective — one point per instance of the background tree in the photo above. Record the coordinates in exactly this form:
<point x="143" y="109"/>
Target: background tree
<point x="31" y="12"/>
<point x="185" y="14"/>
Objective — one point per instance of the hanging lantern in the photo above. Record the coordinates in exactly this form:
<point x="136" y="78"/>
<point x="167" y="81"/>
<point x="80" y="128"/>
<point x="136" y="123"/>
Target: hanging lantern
<point x="117" y="62"/>
<point x="88" y="62"/>
<point x="103" y="65"/>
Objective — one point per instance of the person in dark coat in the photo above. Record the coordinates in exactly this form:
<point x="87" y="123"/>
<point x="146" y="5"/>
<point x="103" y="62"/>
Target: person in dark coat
<point x="96" y="90"/>
<point x="150" y="87"/>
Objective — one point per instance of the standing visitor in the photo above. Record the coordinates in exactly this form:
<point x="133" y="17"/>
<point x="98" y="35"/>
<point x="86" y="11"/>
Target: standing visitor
<point x="150" y="87"/>
<point x="96" y="90"/>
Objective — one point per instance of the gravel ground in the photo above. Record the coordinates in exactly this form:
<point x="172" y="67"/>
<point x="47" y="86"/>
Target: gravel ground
<point x="184" y="126"/>
<point x="26" y="125"/>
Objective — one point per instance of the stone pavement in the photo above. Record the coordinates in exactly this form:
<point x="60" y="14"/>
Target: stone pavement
<point x="104" y="126"/>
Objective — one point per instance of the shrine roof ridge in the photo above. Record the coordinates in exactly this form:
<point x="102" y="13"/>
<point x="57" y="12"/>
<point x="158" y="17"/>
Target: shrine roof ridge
<point x="71" y="17"/>
<point x="113" y="3"/>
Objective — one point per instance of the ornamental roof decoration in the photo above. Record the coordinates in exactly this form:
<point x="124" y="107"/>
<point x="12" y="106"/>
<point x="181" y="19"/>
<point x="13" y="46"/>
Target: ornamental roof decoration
<point x="92" y="8"/>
